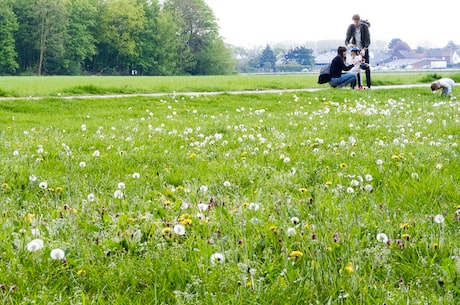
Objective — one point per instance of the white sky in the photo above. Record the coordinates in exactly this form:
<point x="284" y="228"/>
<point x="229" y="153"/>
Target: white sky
<point x="258" y="22"/>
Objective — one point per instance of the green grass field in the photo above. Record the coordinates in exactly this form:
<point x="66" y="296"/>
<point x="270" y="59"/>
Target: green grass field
<point x="52" y="86"/>
<point x="328" y="197"/>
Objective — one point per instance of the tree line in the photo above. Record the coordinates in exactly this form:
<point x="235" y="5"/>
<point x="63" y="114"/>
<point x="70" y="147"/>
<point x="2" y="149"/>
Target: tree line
<point x="111" y="37"/>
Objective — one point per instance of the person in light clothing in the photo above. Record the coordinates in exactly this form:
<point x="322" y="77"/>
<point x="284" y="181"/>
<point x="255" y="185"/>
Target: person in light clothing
<point x="358" y="35"/>
<point x="359" y="64"/>
<point x="446" y="84"/>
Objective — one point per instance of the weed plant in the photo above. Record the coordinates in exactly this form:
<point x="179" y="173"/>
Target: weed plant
<point x="331" y="197"/>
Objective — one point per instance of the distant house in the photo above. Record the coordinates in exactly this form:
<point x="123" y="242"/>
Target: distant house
<point x="402" y="59"/>
<point x="414" y="59"/>
<point x="323" y="59"/>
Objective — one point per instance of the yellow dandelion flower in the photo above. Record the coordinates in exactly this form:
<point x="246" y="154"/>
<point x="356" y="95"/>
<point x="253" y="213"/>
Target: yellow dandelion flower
<point x="296" y="254"/>
<point x="273" y="228"/>
<point x="81" y="272"/>
<point x="328" y="182"/>
<point x="458" y="207"/>
<point x="166" y="231"/>
<point x="349" y="267"/>
<point x="245" y="204"/>
<point x="59" y="189"/>
<point x="436" y="245"/>
<point x="183" y="217"/>
<point x="30" y="217"/>
<point x="249" y="284"/>
<point x="404" y="226"/>
<point x="5" y="186"/>
<point x="74" y="211"/>
<point x="343" y="165"/>
<point x="303" y="190"/>
<point x="192" y="156"/>
<point x="187" y="221"/>
<point x="167" y="202"/>
<point x="244" y="154"/>
<point x="307" y="226"/>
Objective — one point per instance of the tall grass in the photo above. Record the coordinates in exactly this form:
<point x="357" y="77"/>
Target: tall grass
<point x="332" y="197"/>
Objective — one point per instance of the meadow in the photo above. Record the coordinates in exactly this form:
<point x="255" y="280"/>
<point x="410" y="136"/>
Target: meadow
<point x="328" y="197"/>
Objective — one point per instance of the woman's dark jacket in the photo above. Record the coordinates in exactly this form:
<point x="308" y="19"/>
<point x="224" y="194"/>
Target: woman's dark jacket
<point x="338" y="65"/>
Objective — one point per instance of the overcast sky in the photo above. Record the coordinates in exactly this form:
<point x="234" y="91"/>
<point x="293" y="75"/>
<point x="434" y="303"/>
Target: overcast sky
<point x="258" y="22"/>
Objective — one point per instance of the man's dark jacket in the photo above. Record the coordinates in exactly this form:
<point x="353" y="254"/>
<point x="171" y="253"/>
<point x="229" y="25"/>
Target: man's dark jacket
<point x="365" y="35"/>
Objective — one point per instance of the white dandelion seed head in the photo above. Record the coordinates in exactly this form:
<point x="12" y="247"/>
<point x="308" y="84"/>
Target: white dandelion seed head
<point x="354" y="182"/>
<point x="350" y="190"/>
<point x="202" y="206"/>
<point x="379" y="162"/>
<point x="295" y="220"/>
<point x="254" y="206"/>
<point x="121" y="185"/>
<point x="118" y="194"/>
<point x="91" y="197"/>
<point x="57" y="254"/>
<point x="227" y="183"/>
<point x="136" y="175"/>
<point x="35" y="245"/>
<point x="179" y="229"/>
<point x="35" y="231"/>
<point x="291" y="231"/>
<point x="368" y="177"/>
<point x="438" y="218"/>
<point x="414" y="175"/>
<point x="382" y="237"/>
<point x="184" y="205"/>
<point x="43" y="185"/>
<point x="96" y="153"/>
<point x="16" y="153"/>
<point x="204" y="188"/>
<point x="217" y="258"/>
<point x="368" y="187"/>
<point x="438" y="166"/>
<point x="32" y="178"/>
<point x="82" y="164"/>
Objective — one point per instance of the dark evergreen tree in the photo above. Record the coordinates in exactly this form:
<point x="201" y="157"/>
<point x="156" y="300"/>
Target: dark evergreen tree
<point x="267" y="59"/>
<point x="299" y="55"/>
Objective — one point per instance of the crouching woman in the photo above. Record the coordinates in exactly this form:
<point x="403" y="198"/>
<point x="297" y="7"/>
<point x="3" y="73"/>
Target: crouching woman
<point x="339" y="79"/>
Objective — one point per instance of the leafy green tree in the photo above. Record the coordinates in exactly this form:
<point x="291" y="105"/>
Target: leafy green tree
<point x="159" y="43"/>
<point x="8" y="26"/>
<point x="299" y="55"/>
<point x="120" y="24"/>
<point x="52" y="27"/>
<point x="41" y="34"/>
<point x="267" y="59"/>
<point x="80" y="44"/>
<point x="199" y="38"/>
<point x="27" y="36"/>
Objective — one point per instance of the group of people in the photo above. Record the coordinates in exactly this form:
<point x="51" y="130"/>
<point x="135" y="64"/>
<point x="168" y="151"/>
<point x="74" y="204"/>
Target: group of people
<point x="358" y="39"/>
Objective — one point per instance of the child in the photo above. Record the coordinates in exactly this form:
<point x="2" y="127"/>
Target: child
<point x="359" y="64"/>
<point x="446" y="84"/>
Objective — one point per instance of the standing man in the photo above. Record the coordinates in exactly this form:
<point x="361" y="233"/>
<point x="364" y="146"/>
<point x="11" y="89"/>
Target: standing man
<point x="358" y="35"/>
